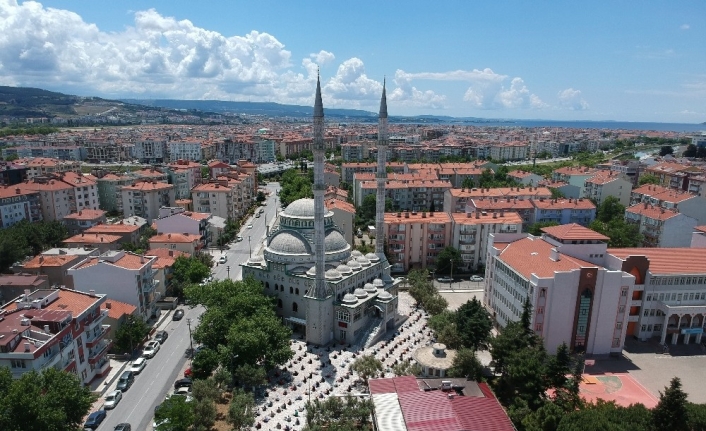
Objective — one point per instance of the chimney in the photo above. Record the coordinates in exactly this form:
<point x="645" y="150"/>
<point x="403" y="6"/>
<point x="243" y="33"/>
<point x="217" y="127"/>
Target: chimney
<point x="26" y="346"/>
<point x="468" y="215"/>
<point x="46" y="328"/>
<point x="424" y="214"/>
<point x="18" y="191"/>
<point x="502" y="213"/>
<point x="171" y="253"/>
<point x="555" y="255"/>
<point x="108" y="305"/>
<point x="92" y="292"/>
<point x="495" y="214"/>
<point x="406" y="214"/>
<point x="477" y="214"/>
<point x="645" y="205"/>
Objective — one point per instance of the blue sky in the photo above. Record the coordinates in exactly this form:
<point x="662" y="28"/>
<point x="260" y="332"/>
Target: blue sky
<point x="613" y="60"/>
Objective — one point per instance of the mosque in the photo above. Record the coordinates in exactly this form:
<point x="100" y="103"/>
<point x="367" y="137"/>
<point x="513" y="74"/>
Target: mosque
<point x="323" y="287"/>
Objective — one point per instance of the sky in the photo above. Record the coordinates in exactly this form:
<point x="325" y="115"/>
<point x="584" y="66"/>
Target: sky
<point x="597" y="60"/>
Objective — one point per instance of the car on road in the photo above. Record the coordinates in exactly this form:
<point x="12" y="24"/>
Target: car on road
<point x="238" y="238"/>
<point x="183" y="383"/>
<point x="138" y="365"/>
<point x="112" y="400"/>
<point x="95" y="419"/>
<point x="125" y="381"/>
<point x="250" y="226"/>
<point x="161" y="336"/>
<point x="445" y="280"/>
<point x="476" y="278"/>
<point x="151" y="349"/>
<point x="123" y="427"/>
<point x="223" y="259"/>
<point x="178" y="314"/>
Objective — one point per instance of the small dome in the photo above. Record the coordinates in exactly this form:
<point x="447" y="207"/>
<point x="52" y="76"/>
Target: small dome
<point x="378" y="283"/>
<point x="286" y="242"/>
<point x="360" y="293"/>
<point x="352" y="264"/>
<point x="372" y="257"/>
<point x="362" y="261"/>
<point x="344" y="269"/>
<point x="370" y="288"/>
<point x="385" y="296"/>
<point x="349" y="299"/>
<point x="356" y="253"/>
<point x="335" y="241"/>
<point x="311" y="272"/>
<point x="332" y="274"/>
<point x="256" y="260"/>
<point x="300" y="208"/>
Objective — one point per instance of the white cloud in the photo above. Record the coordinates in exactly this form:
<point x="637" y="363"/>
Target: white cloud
<point x="685" y="27"/>
<point x="410" y="95"/>
<point x="322" y="57"/>
<point x="571" y="99"/>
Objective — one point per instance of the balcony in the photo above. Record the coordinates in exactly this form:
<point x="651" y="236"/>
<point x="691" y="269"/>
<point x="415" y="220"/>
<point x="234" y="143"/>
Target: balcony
<point x="92" y="340"/>
<point x="98" y="351"/>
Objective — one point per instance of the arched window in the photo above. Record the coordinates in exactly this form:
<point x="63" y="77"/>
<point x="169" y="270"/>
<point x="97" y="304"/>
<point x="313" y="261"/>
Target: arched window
<point x="267" y="285"/>
<point x="295" y="307"/>
<point x="281" y="288"/>
<point x="296" y="291"/>
<point x="276" y="286"/>
<point x="291" y="289"/>
<point x="279" y="303"/>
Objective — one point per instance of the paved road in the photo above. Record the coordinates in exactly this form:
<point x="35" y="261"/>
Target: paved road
<point x="156" y="379"/>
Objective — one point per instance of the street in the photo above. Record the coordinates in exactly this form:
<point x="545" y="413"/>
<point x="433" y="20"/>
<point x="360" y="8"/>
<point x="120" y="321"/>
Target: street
<point x="156" y="380"/>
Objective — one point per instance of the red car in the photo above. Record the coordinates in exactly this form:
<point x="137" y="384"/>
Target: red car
<point x="187" y="372"/>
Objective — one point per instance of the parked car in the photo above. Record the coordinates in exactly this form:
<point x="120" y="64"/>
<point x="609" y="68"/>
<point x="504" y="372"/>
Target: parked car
<point x="161" y="336"/>
<point x="151" y="349"/>
<point x="183" y="391"/>
<point x="95" y="419"/>
<point x="123" y="427"/>
<point x="476" y="278"/>
<point x="445" y="280"/>
<point x="137" y="365"/>
<point x="238" y="238"/>
<point x="182" y="382"/>
<point x="188" y="373"/>
<point x="223" y="259"/>
<point x="112" y="400"/>
<point x="250" y="226"/>
<point x="125" y="381"/>
<point x="178" y="314"/>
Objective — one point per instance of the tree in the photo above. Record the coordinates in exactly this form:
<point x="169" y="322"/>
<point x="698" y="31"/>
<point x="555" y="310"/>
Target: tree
<point x="473" y="324"/>
<point x="338" y="414"/>
<point x="536" y="228"/>
<point x="12" y="157"/>
<point x="406" y="368"/>
<point x="610" y="209"/>
<point x="241" y="412"/>
<point x="670" y="413"/>
<point x="648" y="179"/>
<point x="189" y="270"/>
<point x="447" y="260"/>
<point x="444" y="326"/>
<point x="204" y="363"/>
<point x="545" y="418"/>
<point x="690" y="151"/>
<point x="466" y="364"/>
<point x="25" y="238"/>
<point x="130" y="334"/>
<point x="666" y="149"/>
<point x="250" y="375"/>
<point x="261" y="197"/>
<point x="174" y="414"/>
<point x="367" y="366"/>
<point x="435" y="304"/>
<point x="607" y="416"/>
<point x="143" y="243"/>
<point x="621" y="233"/>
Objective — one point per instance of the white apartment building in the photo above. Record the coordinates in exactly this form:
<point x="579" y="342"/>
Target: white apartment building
<point x="145" y="198"/>
<point x="471" y="231"/>
<point x="661" y="227"/>
<point x="574" y="299"/>
<point x="119" y="275"/>
<point x="150" y="150"/>
<point x="184" y="150"/>
<point x="17" y="204"/>
<point x="689" y="204"/>
<point x="605" y="184"/>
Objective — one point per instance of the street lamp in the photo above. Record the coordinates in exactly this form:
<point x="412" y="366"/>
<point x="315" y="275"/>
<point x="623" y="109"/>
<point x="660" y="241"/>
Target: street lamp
<point x="191" y="343"/>
<point x="249" y="246"/>
<point x="228" y="270"/>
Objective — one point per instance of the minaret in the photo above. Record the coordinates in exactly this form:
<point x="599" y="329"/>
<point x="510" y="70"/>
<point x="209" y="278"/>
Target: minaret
<point x="319" y="301"/>
<point x="381" y="177"/>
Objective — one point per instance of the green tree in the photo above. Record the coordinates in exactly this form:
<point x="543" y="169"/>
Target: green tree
<point x="174" y="414"/>
<point x="204" y="363"/>
<point x="545" y="418"/>
<point x="448" y="259"/>
<point x="189" y="270"/>
<point x="241" y="410"/>
<point x="367" y="366"/>
<point x="339" y="414"/>
<point x="444" y="326"/>
<point x="697" y="416"/>
<point x="473" y="324"/>
<point x="666" y="149"/>
<point x="47" y="400"/>
<point x="670" y="413"/>
<point x="648" y="179"/>
<point x="607" y="416"/>
<point x="143" y="243"/>
<point x="261" y="197"/>
<point x="130" y="334"/>
<point x="435" y="304"/>
<point x="536" y="228"/>
<point x="690" y="151"/>
<point x="250" y="375"/>
<point x="610" y="209"/>
<point x="466" y="364"/>
<point x="14" y="156"/>
<point x="621" y="233"/>
<point x="406" y="368"/>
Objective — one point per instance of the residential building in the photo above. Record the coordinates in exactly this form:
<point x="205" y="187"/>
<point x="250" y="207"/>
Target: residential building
<point x="471" y="230"/>
<point x="55" y="264"/>
<point x="457" y="200"/>
<point x="604" y="184"/>
<point x="575" y="176"/>
<point x="573" y="298"/>
<point x="42" y="166"/>
<point x="118" y="313"/>
<point x="216" y="168"/>
<point x="184" y="150"/>
<point x="78" y="222"/>
<point x="414" y="240"/>
<point x="671" y="174"/>
<point x="163" y="266"/>
<point x="186" y="242"/>
<point x="109" y="191"/>
<point x="14" y="285"/>
<point x="120" y="275"/>
<point x="151" y="150"/>
<point x="689" y="204"/>
<point x="698" y="237"/>
<point x="564" y="211"/>
<point x="128" y="233"/>
<point x="525" y="178"/>
<point x="226" y="198"/>
<point x="343" y="216"/>
<point x="184" y="176"/>
<point x="176" y="220"/>
<point x="145" y="198"/>
<point x="661" y="227"/>
<point x="94" y="240"/>
<point x="57" y="328"/>
<point x="12" y="173"/>
<point x="17" y="204"/>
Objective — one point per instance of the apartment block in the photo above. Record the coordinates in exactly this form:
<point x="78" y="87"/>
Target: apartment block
<point x="689" y="204"/>
<point x="145" y="198"/>
<point x="225" y="198"/>
<point x="58" y="328"/>
<point x="163" y="267"/>
<point x="604" y="184"/>
<point x="12" y="173"/>
<point x="525" y="178"/>
<point x="17" y="204"/>
<point x="470" y="233"/>
<point x="42" y="166"/>
<point x="456" y="200"/>
<point x="119" y="275"/>
<point x="574" y="176"/>
<point x="14" y="285"/>
<point x="416" y="239"/>
<point x="184" y="150"/>
<point x="151" y="150"/>
<point x="55" y="264"/>
<point x="564" y="211"/>
<point x="101" y="242"/>
<point x="184" y="242"/>
<point x="78" y="222"/>
<point x="661" y="227"/>
<point x="109" y="191"/>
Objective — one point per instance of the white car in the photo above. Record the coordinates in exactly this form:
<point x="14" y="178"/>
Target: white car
<point x="184" y="391"/>
<point x="112" y="400"/>
<point x="250" y="226"/>
<point x="151" y="349"/>
<point x="476" y="278"/>
<point x="223" y="259"/>
<point x="238" y="238"/>
<point x="138" y="365"/>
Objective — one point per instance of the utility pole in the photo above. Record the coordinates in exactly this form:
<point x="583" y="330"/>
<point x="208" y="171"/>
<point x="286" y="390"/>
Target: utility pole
<point x="267" y="228"/>
<point x="249" y="246"/>
<point x="228" y="270"/>
<point x="191" y="343"/>
<point x="452" y="273"/>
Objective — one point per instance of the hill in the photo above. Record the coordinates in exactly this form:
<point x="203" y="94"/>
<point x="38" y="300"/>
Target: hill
<point x="35" y="102"/>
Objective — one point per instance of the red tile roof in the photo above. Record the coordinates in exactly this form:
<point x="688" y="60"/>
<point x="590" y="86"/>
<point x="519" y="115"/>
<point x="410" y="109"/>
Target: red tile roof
<point x="117" y="309"/>
<point x="573" y="231"/>
<point x="667" y="261"/>
<point x="533" y="256"/>
<point x="94" y="238"/>
<point x="87" y="214"/>
<point x="175" y="237"/>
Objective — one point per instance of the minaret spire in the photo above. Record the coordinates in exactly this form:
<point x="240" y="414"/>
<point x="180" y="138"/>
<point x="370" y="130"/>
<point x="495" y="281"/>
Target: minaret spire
<point x="381" y="177"/>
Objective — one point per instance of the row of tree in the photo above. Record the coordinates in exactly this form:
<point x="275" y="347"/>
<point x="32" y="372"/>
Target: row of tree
<point x="29" y="239"/>
<point x="422" y="289"/>
<point x="295" y="185"/>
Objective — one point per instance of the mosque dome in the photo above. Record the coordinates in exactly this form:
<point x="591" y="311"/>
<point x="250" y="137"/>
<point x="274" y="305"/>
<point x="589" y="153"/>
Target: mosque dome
<point x="378" y="283"/>
<point x="311" y="272"/>
<point x="256" y="260"/>
<point x="372" y="257"/>
<point x="300" y="208"/>
<point x="335" y="242"/>
<point x="356" y="253"/>
<point x="360" y="293"/>
<point x="385" y="296"/>
<point x="349" y="298"/>
<point x="363" y="261"/>
<point x="352" y="264"/>
<point x="332" y="274"/>
<point x="288" y="242"/>
<point x="370" y="288"/>
<point x="344" y="269"/>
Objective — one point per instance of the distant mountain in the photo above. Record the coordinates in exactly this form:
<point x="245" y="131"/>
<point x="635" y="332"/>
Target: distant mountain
<point x="35" y="102"/>
<point x="269" y="109"/>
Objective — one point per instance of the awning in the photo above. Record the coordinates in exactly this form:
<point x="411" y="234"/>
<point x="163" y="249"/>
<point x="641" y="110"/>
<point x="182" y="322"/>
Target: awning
<point x="296" y="320"/>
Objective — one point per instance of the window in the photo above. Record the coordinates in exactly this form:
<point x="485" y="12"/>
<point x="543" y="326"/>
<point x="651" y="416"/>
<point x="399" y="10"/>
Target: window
<point x="619" y="325"/>
<point x="538" y="327"/>
<point x="291" y="290"/>
<point x="295" y="307"/>
<point x="540" y="310"/>
<point x="279" y="303"/>
<point x="616" y="342"/>
<point x="644" y="328"/>
<point x="296" y="291"/>
<point x="621" y="309"/>
<point x="624" y="291"/>
<point x="267" y="285"/>
<point x="18" y="363"/>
